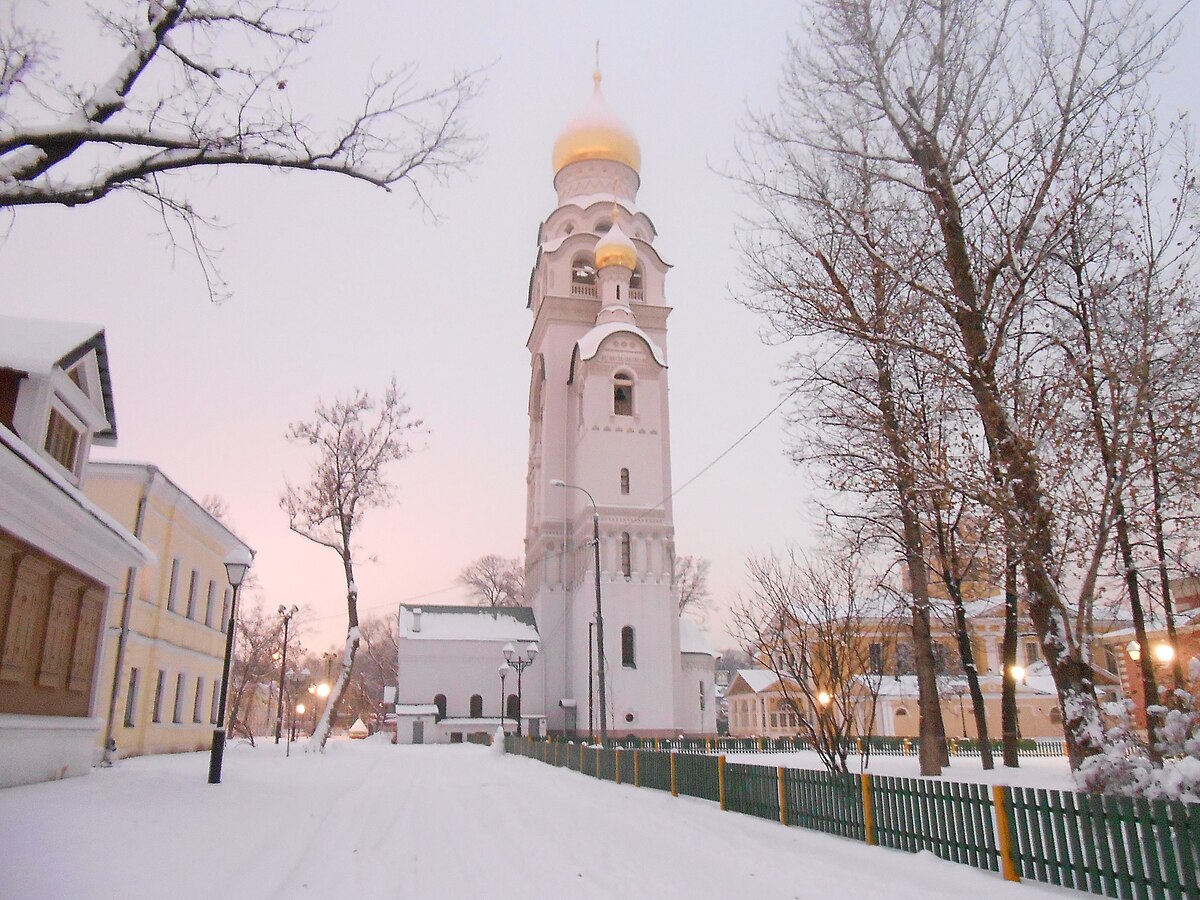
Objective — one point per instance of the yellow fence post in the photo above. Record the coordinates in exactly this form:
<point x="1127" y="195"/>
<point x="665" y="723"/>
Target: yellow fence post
<point x="637" y="782"/>
<point x="581" y="746"/>
<point x="760" y="743"/>
<point x="1008" y="865"/>
<point x="783" y="816"/>
<point x="617" y="767"/>
<point x="674" y="783"/>
<point x="868" y="809"/>
<point x="721" y="779"/>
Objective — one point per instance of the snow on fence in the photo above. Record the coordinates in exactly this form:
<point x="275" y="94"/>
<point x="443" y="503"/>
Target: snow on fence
<point x="1113" y="846"/>
<point x="882" y="746"/>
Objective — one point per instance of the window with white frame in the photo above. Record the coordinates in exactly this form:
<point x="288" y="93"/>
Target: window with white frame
<point x="622" y="394"/>
<point x="63" y="440"/>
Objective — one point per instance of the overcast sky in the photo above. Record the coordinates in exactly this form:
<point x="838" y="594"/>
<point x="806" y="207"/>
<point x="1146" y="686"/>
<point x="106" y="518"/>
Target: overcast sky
<point x="337" y="285"/>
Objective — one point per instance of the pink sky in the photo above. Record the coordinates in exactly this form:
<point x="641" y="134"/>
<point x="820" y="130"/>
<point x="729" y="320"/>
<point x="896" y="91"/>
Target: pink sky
<point x="337" y="285"/>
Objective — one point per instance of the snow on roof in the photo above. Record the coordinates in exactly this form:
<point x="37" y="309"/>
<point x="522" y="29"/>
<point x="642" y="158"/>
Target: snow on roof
<point x="36" y="346"/>
<point x="469" y="623"/>
<point x="43" y="468"/>
<point x="757" y="679"/>
<point x="692" y="638"/>
<point x="416" y="709"/>
<point x="905" y="686"/>
<point x="590" y="343"/>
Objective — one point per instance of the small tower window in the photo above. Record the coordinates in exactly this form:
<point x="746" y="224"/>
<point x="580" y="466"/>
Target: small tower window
<point x="622" y="395"/>
<point x="628" y="651"/>
<point x="626" y="567"/>
<point x="635" y="280"/>
<point x="439" y="701"/>
<point x="476" y="706"/>
<point x="583" y="270"/>
<point x="603" y="226"/>
<point x="624" y="481"/>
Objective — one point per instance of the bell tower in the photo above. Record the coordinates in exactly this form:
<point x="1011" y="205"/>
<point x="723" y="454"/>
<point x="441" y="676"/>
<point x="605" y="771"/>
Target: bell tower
<point x="598" y="421"/>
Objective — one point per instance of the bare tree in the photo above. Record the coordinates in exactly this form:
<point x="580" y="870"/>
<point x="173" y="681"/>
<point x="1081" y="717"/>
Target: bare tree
<point x="254" y="669"/>
<point x="495" y="580"/>
<point x="355" y="440"/>
<point x="990" y="122"/>
<point x="812" y="622"/>
<point x="378" y="663"/>
<point x="691" y="582"/>
<point x="204" y="83"/>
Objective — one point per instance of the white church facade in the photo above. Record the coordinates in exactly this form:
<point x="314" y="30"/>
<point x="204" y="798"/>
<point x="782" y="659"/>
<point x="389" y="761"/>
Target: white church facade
<point x="599" y="448"/>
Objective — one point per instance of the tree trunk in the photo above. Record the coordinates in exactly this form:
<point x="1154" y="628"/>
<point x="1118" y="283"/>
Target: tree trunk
<point x="338" y="689"/>
<point x="967" y="653"/>
<point x="1160" y="548"/>
<point x="1066" y="658"/>
<point x="932" y="732"/>
<point x="1010" y="735"/>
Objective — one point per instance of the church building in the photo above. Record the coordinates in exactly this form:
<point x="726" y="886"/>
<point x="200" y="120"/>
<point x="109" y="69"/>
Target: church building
<point x="599" y="462"/>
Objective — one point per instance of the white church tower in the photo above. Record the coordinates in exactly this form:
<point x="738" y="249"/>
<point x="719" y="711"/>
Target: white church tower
<point x="598" y="414"/>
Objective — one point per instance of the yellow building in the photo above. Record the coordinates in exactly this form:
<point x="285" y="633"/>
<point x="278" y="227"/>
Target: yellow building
<point x="169" y="633"/>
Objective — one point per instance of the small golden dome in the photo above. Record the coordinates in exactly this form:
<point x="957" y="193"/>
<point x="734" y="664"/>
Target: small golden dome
<point x="596" y="133"/>
<point x="615" y="249"/>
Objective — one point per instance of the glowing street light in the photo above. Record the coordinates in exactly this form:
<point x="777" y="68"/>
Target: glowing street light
<point x="823" y="698"/>
<point x="1017" y="673"/>
<point x="1164" y="653"/>
<point x="1134" y="649"/>
<point x="323" y="689"/>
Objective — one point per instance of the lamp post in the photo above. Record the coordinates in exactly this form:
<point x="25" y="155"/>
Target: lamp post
<point x="286" y="614"/>
<point x="237" y="564"/>
<point x="558" y="482"/>
<point x="591" y="681"/>
<point x="504" y="669"/>
<point x="520" y="663"/>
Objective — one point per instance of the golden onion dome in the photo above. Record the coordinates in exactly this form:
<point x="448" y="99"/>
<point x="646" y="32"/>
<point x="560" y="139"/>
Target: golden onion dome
<point x="596" y="133"/>
<point x="615" y="249"/>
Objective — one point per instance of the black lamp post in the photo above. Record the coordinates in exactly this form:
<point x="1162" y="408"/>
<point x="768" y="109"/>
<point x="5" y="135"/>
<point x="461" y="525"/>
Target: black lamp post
<point x="237" y="564"/>
<point x="287" y="620"/>
<point x="504" y="669"/>
<point x="520" y="663"/>
<point x="558" y="482"/>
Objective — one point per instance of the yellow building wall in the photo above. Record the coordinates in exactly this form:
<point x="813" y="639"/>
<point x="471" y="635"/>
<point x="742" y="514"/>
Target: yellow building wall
<point x="188" y="651"/>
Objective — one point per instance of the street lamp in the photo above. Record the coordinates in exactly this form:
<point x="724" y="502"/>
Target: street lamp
<point x="504" y="669"/>
<point x="237" y="564"/>
<point x="286" y="614"/>
<point x="1163" y="652"/>
<point x="1135" y="650"/>
<point x="520" y="663"/>
<point x="558" y="482"/>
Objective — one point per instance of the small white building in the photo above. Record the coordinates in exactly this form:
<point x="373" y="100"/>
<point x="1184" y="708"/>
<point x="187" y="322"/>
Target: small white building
<point x="448" y="673"/>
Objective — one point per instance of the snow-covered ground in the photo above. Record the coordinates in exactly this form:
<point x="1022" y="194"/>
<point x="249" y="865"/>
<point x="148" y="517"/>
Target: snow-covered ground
<point x="369" y="820"/>
<point x="1051" y="772"/>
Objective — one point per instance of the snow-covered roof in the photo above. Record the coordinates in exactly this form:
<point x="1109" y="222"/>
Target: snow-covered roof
<point x="45" y="470"/>
<point x="36" y="346"/>
<point x="905" y="686"/>
<point x="468" y="623"/>
<point x="756" y="679"/>
<point x="692" y="638"/>
<point x="416" y="709"/>
<point x="590" y="343"/>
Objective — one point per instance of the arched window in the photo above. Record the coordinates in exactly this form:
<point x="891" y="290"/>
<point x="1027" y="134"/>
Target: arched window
<point x="635" y="280"/>
<point x="513" y="707"/>
<point x="603" y="226"/>
<point x="622" y="394"/>
<point x="583" y="270"/>
<point x="626" y="566"/>
<point x="440" y="702"/>
<point x="624" y="481"/>
<point x="476" y="706"/>
<point x="628" y="650"/>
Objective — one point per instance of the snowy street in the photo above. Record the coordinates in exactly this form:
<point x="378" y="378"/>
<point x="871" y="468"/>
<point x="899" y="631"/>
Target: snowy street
<point x="371" y="820"/>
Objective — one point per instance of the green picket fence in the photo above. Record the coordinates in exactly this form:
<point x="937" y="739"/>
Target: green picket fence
<point x="1115" y="846"/>
<point x="882" y="746"/>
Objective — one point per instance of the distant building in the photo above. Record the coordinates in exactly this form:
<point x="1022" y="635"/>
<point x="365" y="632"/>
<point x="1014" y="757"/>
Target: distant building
<point x="62" y="557"/>
<point x="172" y="623"/>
